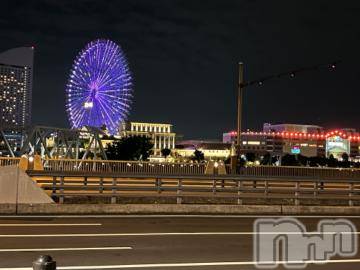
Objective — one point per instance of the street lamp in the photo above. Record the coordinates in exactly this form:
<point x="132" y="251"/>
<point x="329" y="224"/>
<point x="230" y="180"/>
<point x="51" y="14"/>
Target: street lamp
<point x="242" y="84"/>
<point x="239" y="105"/>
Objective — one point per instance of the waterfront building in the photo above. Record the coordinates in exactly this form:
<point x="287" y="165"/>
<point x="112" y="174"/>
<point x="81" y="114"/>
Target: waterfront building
<point x="162" y="135"/>
<point x="307" y="140"/>
<point x="212" y="150"/>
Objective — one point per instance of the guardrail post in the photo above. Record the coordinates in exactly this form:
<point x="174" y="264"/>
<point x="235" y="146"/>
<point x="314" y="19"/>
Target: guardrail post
<point x="101" y="187"/>
<point x="266" y="188"/>
<point x="61" y="198"/>
<point x="297" y="189"/>
<point x="240" y="186"/>
<point x="158" y="185"/>
<point x="113" y="190"/>
<point x="351" y="189"/>
<point x="44" y="262"/>
<point x="315" y="189"/>
<point x="54" y="185"/>
<point x="85" y="181"/>
<point x="178" y="192"/>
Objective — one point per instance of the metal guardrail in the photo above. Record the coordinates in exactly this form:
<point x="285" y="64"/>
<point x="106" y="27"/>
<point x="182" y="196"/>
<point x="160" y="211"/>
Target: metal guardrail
<point x="236" y="188"/>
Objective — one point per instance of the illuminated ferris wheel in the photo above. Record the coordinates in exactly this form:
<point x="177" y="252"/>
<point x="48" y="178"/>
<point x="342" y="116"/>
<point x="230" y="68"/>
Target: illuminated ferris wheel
<point x="99" y="88"/>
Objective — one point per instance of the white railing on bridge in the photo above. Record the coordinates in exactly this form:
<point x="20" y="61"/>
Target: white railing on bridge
<point x="168" y="168"/>
<point x="315" y="172"/>
<point x="123" y="166"/>
<point x="8" y="161"/>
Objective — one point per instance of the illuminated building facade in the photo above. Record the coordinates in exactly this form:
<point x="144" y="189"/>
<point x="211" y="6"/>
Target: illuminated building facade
<point x="161" y="135"/>
<point x="306" y="140"/>
<point x="16" y="72"/>
<point x="212" y="150"/>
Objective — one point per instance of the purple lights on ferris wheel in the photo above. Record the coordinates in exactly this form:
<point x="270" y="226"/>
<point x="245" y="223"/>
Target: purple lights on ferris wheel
<point x="99" y="88"/>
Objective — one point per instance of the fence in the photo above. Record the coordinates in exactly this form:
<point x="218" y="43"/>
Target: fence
<point x="136" y="167"/>
<point x="194" y="169"/>
<point x="8" y="161"/>
<point x="233" y="188"/>
<point x="123" y="166"/>
<point x="282" y="171"/>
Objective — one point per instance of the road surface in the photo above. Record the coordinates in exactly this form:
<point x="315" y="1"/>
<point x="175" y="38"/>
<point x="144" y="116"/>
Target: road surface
<point x="140" y="242"/>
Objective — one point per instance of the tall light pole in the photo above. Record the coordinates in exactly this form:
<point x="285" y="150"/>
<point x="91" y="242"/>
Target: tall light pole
<point x="239" y="105"/>
<point x="242" y="84"/>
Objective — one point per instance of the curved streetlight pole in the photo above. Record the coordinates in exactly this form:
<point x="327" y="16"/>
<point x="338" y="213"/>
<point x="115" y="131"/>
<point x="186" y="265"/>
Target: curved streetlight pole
<point x="242" y="84"/>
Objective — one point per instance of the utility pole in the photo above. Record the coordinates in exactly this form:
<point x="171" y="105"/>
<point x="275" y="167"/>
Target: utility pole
<point x="242" y="84"/>
<point x="239" y="105"/>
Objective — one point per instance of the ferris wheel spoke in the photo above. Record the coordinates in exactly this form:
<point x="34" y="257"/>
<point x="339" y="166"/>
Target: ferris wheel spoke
<point x="105" y="111"/>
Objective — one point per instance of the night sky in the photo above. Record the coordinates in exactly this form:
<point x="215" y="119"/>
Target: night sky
<point x="184" y="55"/>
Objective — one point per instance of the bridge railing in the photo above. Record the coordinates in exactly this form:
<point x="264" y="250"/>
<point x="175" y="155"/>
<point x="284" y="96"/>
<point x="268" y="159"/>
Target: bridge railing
<point x="193" y="168"/>
<point x="315" y="172"/>
<point x="224" y="189"/>
<point x="136" y="167"/>
<point x="123" y="166"/>
<point x="9" y="161"/>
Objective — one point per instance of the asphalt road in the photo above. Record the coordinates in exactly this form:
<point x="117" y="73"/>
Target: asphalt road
<point x="140" y="242"/>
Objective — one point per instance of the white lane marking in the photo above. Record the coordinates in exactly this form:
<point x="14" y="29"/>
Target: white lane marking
<point x="160" y="234"/>
<point x="63" y="249"/>
<point x="158" y="265"/>
<point x="47" y="224"/>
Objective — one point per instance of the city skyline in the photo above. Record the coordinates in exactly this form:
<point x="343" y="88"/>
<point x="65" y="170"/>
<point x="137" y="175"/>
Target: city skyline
<point x="176" y="66"/>
<point x="16" y="84"/>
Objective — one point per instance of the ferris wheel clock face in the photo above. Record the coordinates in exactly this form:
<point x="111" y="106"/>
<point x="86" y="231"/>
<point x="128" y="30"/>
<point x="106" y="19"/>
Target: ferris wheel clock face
<point x="99" y="88"/>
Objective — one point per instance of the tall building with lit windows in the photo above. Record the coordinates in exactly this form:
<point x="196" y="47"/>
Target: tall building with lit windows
<point x="16" y="77"/>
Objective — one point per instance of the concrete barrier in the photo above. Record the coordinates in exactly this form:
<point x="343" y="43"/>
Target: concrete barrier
<point x="17" y="187"/>
<point x="78" y="209"/>
<point x="185" y="209"/>
<point x="320" y="210"/>
<point x="7" y="208"/>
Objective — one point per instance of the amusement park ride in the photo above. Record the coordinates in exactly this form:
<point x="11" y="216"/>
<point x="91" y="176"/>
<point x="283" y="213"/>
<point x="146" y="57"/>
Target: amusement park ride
<point x="98" y="94"/>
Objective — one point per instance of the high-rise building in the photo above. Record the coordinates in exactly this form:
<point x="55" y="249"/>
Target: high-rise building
<point x="16" y="76"/>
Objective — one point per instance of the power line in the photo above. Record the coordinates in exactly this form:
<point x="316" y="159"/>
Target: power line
<point x="291" y="73"/>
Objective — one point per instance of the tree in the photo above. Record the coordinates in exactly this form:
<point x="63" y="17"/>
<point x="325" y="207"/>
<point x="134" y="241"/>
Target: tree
<point x="345" y="160"/>
<point x="165" y="152"/>
<point x="332" y="162"/>
<point x="198" y="156"/>
<point x="130" y="148"/>
<point x="289" y="160"/>
<point x="266" y="160"/>
<point x="302" y="160"/>
<point x="250" y="157"/>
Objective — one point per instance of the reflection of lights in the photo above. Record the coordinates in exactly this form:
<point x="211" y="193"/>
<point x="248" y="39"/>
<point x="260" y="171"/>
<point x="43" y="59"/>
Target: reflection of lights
<point x="216" y="164"/>
<point x="31" y="159"/>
